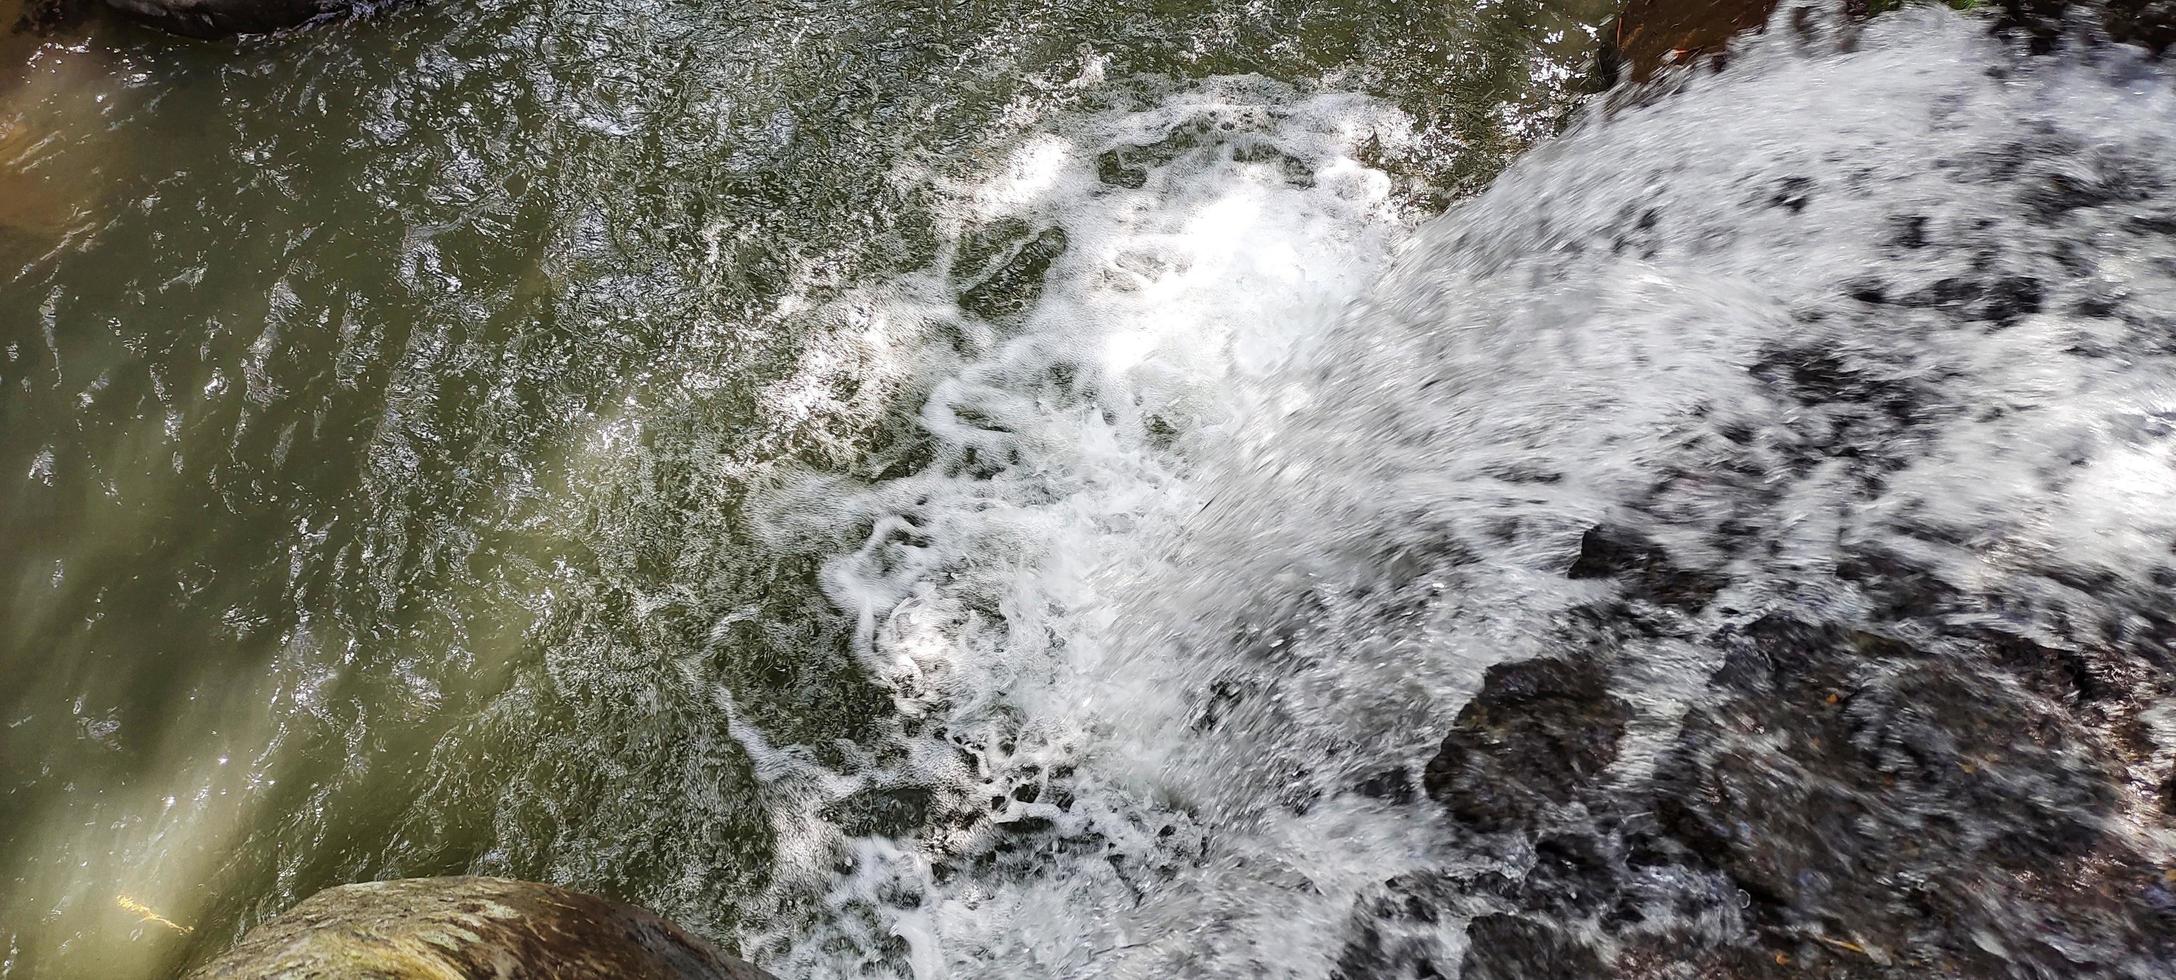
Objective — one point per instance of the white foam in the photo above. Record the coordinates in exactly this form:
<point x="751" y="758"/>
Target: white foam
<point x="1217" y="528"/>
<point x="1056" y="456"/>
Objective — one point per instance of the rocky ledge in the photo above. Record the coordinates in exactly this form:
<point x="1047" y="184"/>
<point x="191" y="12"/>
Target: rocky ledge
<point x="471" y="928"/>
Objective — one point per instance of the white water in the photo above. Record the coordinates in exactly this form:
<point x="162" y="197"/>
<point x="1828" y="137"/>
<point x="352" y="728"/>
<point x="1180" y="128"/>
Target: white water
<point x="1235" y="515"/>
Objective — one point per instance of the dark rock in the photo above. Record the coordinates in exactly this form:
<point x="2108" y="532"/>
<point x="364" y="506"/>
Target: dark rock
<point x="1859" y="788"/>
<point x="2150" y="24"/>
<point x="224" y="18"/>
<point x="1116" y="168"/>
<point x="2012" y="297"/>
<point x="1899" y="588"/>
<point x="881" y="812"/>
<point x="1841" y="802"/>
<point x="1506" y="947"/>
<point x="41" y="18"/>
<point x="1927" y="747"/>
<point x="2045" y="24"/>
<point x="1394" y="785"/>
<point x="2000" y="301"/>
<point x="1679" y="956"/>
<point x="472" y="928"/>
<point x="1574" y="875"/>
<point x="1396" y="927"/>
<point x="1911" y="231"/>
<point x="1792" y="193"/>
<point x="1644" y="567"/>
<point x="1538" y="732"/>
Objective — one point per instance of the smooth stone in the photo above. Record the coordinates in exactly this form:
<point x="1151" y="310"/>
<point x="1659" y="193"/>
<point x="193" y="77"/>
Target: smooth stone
<point x="470" y="928"/>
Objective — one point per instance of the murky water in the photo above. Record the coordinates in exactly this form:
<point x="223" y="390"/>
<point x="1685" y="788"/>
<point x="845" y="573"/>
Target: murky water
<point x="428" y="445"/>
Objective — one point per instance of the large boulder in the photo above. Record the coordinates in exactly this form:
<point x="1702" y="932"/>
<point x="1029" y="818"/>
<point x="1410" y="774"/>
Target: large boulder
<point x="470" y="928"/>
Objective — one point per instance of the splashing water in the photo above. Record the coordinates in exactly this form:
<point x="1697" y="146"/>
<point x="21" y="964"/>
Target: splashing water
<point x="911" y="495"/>
<point x="1235" y="484"/>
<point x="1188" y="247"/>
<point x="383" y="402"/>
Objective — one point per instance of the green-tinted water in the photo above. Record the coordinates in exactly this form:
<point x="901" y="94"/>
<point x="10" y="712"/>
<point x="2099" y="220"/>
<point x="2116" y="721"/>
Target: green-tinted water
<point x="376" y="404"/>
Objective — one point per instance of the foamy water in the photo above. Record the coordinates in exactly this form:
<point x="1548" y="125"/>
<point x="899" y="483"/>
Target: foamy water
<point x="1219" y="528"/>
<point x="984" y="585"/>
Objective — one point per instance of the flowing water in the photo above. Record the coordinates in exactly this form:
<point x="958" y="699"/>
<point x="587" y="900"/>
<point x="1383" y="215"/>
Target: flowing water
<point x="384" y="403"/>
<point x="981" y="491"/>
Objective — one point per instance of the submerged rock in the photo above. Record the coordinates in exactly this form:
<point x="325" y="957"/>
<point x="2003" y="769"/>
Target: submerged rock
<point x="470" y="928"/>
<point x="1016" y="267"/>
<point x="223" y="18"/>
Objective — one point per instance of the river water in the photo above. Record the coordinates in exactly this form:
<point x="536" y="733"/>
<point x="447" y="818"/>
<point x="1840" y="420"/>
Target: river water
<point x="383" y="403"/>
<point x="966" y="490"/>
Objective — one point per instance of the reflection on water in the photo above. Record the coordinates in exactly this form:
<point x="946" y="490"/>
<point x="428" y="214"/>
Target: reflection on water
<point x="52" y="98"/>
<point x="378" y="403"/>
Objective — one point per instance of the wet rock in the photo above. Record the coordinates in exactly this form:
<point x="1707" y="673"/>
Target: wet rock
<point x="1506" y="947"/>
<point x="470" y="928"/>
<point x="1916" y="739"/>
<point x="1650" y="35"/>
<point x="2001" y="301"/>
<point x="2046" y="24"/>
<point x="224" y="18"/>
<point x="1840" y="802"/>
<point x="1897" y="587"/>
<point x="1848" y="796"/>
<point x="1533" y="739"/>
<point x="1574" y="875"/>
<point x="1015" y="277"/>
<point x="1394" y="785"/>
<point x="1644" y="567"/>
<point x="1118" y="169"/>
<point x="39" y="18"/>
<point x="881" y="812"/>
<point x="2150" y="24"/>
<point x="1679" y="956"/>
<point x="1394" y="929"/>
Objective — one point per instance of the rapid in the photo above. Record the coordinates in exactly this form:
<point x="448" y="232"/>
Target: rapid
<point x="1050" y="530"/>
<point x="1210" y="544"/>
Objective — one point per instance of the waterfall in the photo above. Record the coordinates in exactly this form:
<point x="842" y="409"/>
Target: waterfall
<point x="1236" y="483"/>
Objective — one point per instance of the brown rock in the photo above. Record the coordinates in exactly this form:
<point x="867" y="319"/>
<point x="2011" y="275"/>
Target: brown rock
<point x="1535" y="737"/>
<point x="471" y="929"/>
<point x="1651" y="34"/>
